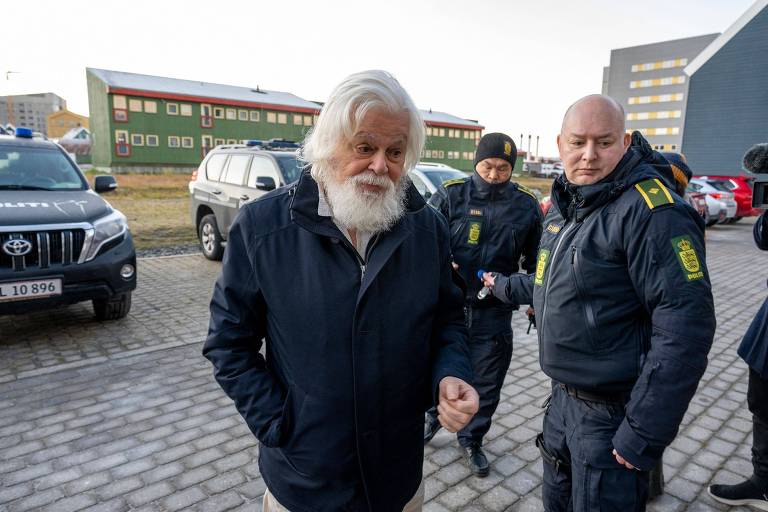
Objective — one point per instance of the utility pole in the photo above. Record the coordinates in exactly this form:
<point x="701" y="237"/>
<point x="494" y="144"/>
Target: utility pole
<point x="537" y="147"/>
<point x="529" y="145"/>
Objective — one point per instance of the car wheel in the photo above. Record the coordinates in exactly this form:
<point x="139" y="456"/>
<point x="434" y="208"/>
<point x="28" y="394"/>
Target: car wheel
<point x="711" y="223"/>
<point x="114" y="308"/>
<point x="210" y="238"/>
<point x="736" y="219"/>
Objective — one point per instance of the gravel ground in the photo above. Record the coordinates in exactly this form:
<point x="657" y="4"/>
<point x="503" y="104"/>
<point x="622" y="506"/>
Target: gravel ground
<point x="168" y="251"/>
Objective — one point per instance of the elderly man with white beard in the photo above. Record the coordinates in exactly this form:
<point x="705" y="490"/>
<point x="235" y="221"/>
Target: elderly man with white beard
<point x="345" y="277"/>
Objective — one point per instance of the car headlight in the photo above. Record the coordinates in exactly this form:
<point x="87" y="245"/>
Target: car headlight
<point x="105" y="229"/>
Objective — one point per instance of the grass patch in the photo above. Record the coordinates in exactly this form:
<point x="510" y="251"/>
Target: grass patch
<point x="157" y="207"/>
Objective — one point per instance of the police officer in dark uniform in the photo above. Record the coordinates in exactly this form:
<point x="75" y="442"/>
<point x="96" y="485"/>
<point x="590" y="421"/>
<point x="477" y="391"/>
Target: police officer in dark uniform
<point x="495" y="225"/>
<point x="624" y="311"/>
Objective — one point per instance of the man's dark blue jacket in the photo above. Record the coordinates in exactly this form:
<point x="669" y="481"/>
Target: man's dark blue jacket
<point x="623" y="298"/>
<point x="355" y="349"/>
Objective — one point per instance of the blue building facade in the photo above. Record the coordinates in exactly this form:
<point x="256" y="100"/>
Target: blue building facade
<point x="727" y="108"/>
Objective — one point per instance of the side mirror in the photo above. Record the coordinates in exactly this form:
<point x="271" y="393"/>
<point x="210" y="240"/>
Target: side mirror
<point x="104" y="184"/>
<point x="265" y="183"/>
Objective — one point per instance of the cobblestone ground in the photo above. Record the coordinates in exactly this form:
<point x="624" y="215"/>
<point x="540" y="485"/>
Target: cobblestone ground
<point x="126" y="415"/>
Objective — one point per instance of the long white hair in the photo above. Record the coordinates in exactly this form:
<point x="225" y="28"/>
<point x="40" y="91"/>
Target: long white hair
<point x="348" y="104"/>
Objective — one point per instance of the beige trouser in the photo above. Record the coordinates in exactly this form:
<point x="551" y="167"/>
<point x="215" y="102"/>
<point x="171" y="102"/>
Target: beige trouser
<point x="270" y="504"/>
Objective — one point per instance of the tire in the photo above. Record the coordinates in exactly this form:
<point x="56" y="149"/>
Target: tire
<point x="210" y="238"/>
<point x="114" y="308"/>
<point x="711" y="223"/>
<point x="736" y="219"/>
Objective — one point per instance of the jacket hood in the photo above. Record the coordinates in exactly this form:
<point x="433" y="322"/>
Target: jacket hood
<point x="37" y="207"/>
<point x="639" y="163"/>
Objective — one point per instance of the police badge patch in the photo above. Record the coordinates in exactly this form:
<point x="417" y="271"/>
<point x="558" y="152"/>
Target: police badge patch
<point x="474" y="233"/>
<point x="541" y="267"/>
<point x="686" y="255"/>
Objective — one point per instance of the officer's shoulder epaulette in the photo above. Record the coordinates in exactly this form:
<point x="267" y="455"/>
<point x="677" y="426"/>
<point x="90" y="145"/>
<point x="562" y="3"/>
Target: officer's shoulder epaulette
<point x="526" y="190"/>
<point x="454" y="181"/>
<point x="654" y="193"/>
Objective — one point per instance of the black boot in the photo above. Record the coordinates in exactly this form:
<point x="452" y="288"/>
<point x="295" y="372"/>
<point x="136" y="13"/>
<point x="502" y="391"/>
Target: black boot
<point x="477" y="460"/>
<point x="745" y="493"/>
<point x="431" y="426"/>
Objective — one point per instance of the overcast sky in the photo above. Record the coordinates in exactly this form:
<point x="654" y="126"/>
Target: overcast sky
<point x="514" y="66"/>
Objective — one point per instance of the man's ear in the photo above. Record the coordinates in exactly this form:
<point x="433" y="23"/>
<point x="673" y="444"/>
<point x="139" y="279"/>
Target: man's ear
<point x="627" y="140"/>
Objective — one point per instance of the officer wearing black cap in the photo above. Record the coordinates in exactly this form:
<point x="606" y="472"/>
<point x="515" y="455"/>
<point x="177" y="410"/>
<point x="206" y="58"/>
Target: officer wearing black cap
<point x="495" y="225"/>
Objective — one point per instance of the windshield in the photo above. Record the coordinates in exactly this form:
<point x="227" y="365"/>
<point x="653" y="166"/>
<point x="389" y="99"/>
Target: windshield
<point x="26" y="168"/>
<point x="290" y="166"/>
<point x="438" y="177"/>
<point x="719" y="185"/>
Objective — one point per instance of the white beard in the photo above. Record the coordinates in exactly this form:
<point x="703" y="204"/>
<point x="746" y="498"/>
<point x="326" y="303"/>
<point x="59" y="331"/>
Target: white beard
<point x="370" y="212"/>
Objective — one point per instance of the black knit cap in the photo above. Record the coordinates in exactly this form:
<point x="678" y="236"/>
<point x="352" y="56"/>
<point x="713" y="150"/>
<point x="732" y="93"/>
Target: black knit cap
<point x="496" y="145"/>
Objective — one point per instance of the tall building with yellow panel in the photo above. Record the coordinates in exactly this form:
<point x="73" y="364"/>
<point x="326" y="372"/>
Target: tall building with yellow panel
<point x="650" y="83"/>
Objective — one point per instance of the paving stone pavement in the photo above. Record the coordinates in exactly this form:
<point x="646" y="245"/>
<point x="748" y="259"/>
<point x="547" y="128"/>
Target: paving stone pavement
<point x="126" y="415"/>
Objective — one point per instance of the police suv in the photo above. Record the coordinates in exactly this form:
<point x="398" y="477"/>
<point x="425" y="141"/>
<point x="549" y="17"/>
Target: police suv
<point x="60" y="242"/>
<point x="230" y="176"/>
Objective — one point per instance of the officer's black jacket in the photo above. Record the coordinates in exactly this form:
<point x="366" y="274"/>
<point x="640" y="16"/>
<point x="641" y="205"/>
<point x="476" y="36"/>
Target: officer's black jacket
<point x="495" y="228"/>
<point x="623" y="298"/>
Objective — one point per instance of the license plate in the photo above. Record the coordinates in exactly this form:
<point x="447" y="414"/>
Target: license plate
<point x="22" y="290"/>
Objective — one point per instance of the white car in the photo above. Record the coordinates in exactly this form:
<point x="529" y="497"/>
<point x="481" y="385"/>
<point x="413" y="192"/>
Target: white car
<point x="428" y="177"/>
<point x="550" y="170"/>
<point x="720" y="202"/>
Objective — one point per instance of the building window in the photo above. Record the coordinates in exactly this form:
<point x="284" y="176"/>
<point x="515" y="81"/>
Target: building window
<point x="153" y="140"/>
<point x="663" y="114"/>
<point x="429" y="131"/>
<point x="441" y="154"/>
<point x="231" y="114"/>
<point x="271" y="117"/>
<point x="137" y="139"/>
<point x="186" y="109"/>
<point x="134" y="105"/>
<point x="297" y="120"/>
<point x="254" y="114"/>
<point x="282" y="118"/>
<point x="231" y="141"/>
<point x="657" y="82"/>
<point x="172" y="109"/>
<point x="117" y="102"/>
<point x="661" y="64"/>
<point x="218" y="112"/>
<point x="218" y="142"/>
<point x="206" y="119"/>
<point x="122" y="147"/>
<point x="187" y="142"/>
<point x="428" y="153"/>
<point x="150" y="107"/>
<point x="173" y="141"/>
<point x="242" y="115"/>
<point x="442" y="134"/>
<point x="120" y="115"/>
<point x="307" y="120"/>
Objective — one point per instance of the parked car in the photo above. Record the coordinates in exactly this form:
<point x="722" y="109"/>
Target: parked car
<point x="741" y="186"/>
<point x="60" y="242"/>
<point x="720" y="203"/>
<point x="427" y="177"/>
<point x="698" y="202"/>
<point x="232" y="175"/>
<point x="551" y="170"/>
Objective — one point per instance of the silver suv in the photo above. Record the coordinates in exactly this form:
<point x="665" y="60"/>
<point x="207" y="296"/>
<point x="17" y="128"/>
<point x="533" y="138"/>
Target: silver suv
<point x="232" y="175"/>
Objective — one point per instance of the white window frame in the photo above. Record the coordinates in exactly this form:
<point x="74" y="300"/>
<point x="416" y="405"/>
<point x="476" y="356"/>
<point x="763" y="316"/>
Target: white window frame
<point x="254" y="116"/>
<point x="282" y="118"/>
<point x="307" y="120"/>
<point x="231" y="114"/>
<point x="177" y="139"/>
<point x="219" y="142"/>
<point x="272" y="117"/>
<point x="218" y="112"/>
<point x="156" y="138"/>
<point x="185" y="109"/>
<point x="187" y="142"/>
<point x="119" y="101"/>
<point x="135" y="105"/>
<point x="242" y="115"/>
<point x="140" y="139"/>
<point x="168" y="109"/>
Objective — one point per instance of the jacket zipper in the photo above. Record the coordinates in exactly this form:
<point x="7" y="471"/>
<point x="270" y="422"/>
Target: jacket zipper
<point x="586" y="304"/>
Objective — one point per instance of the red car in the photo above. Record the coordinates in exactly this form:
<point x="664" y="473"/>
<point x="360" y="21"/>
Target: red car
<point x="741" y="186"/>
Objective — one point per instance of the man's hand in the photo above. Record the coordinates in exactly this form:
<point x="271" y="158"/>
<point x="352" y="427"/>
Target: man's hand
<point x="455" y="266"/>
<point x="621" y="460"/>
<point x="530" y="312"/>
<point x="489" y="279"/>
<point x="458" y="402"/>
